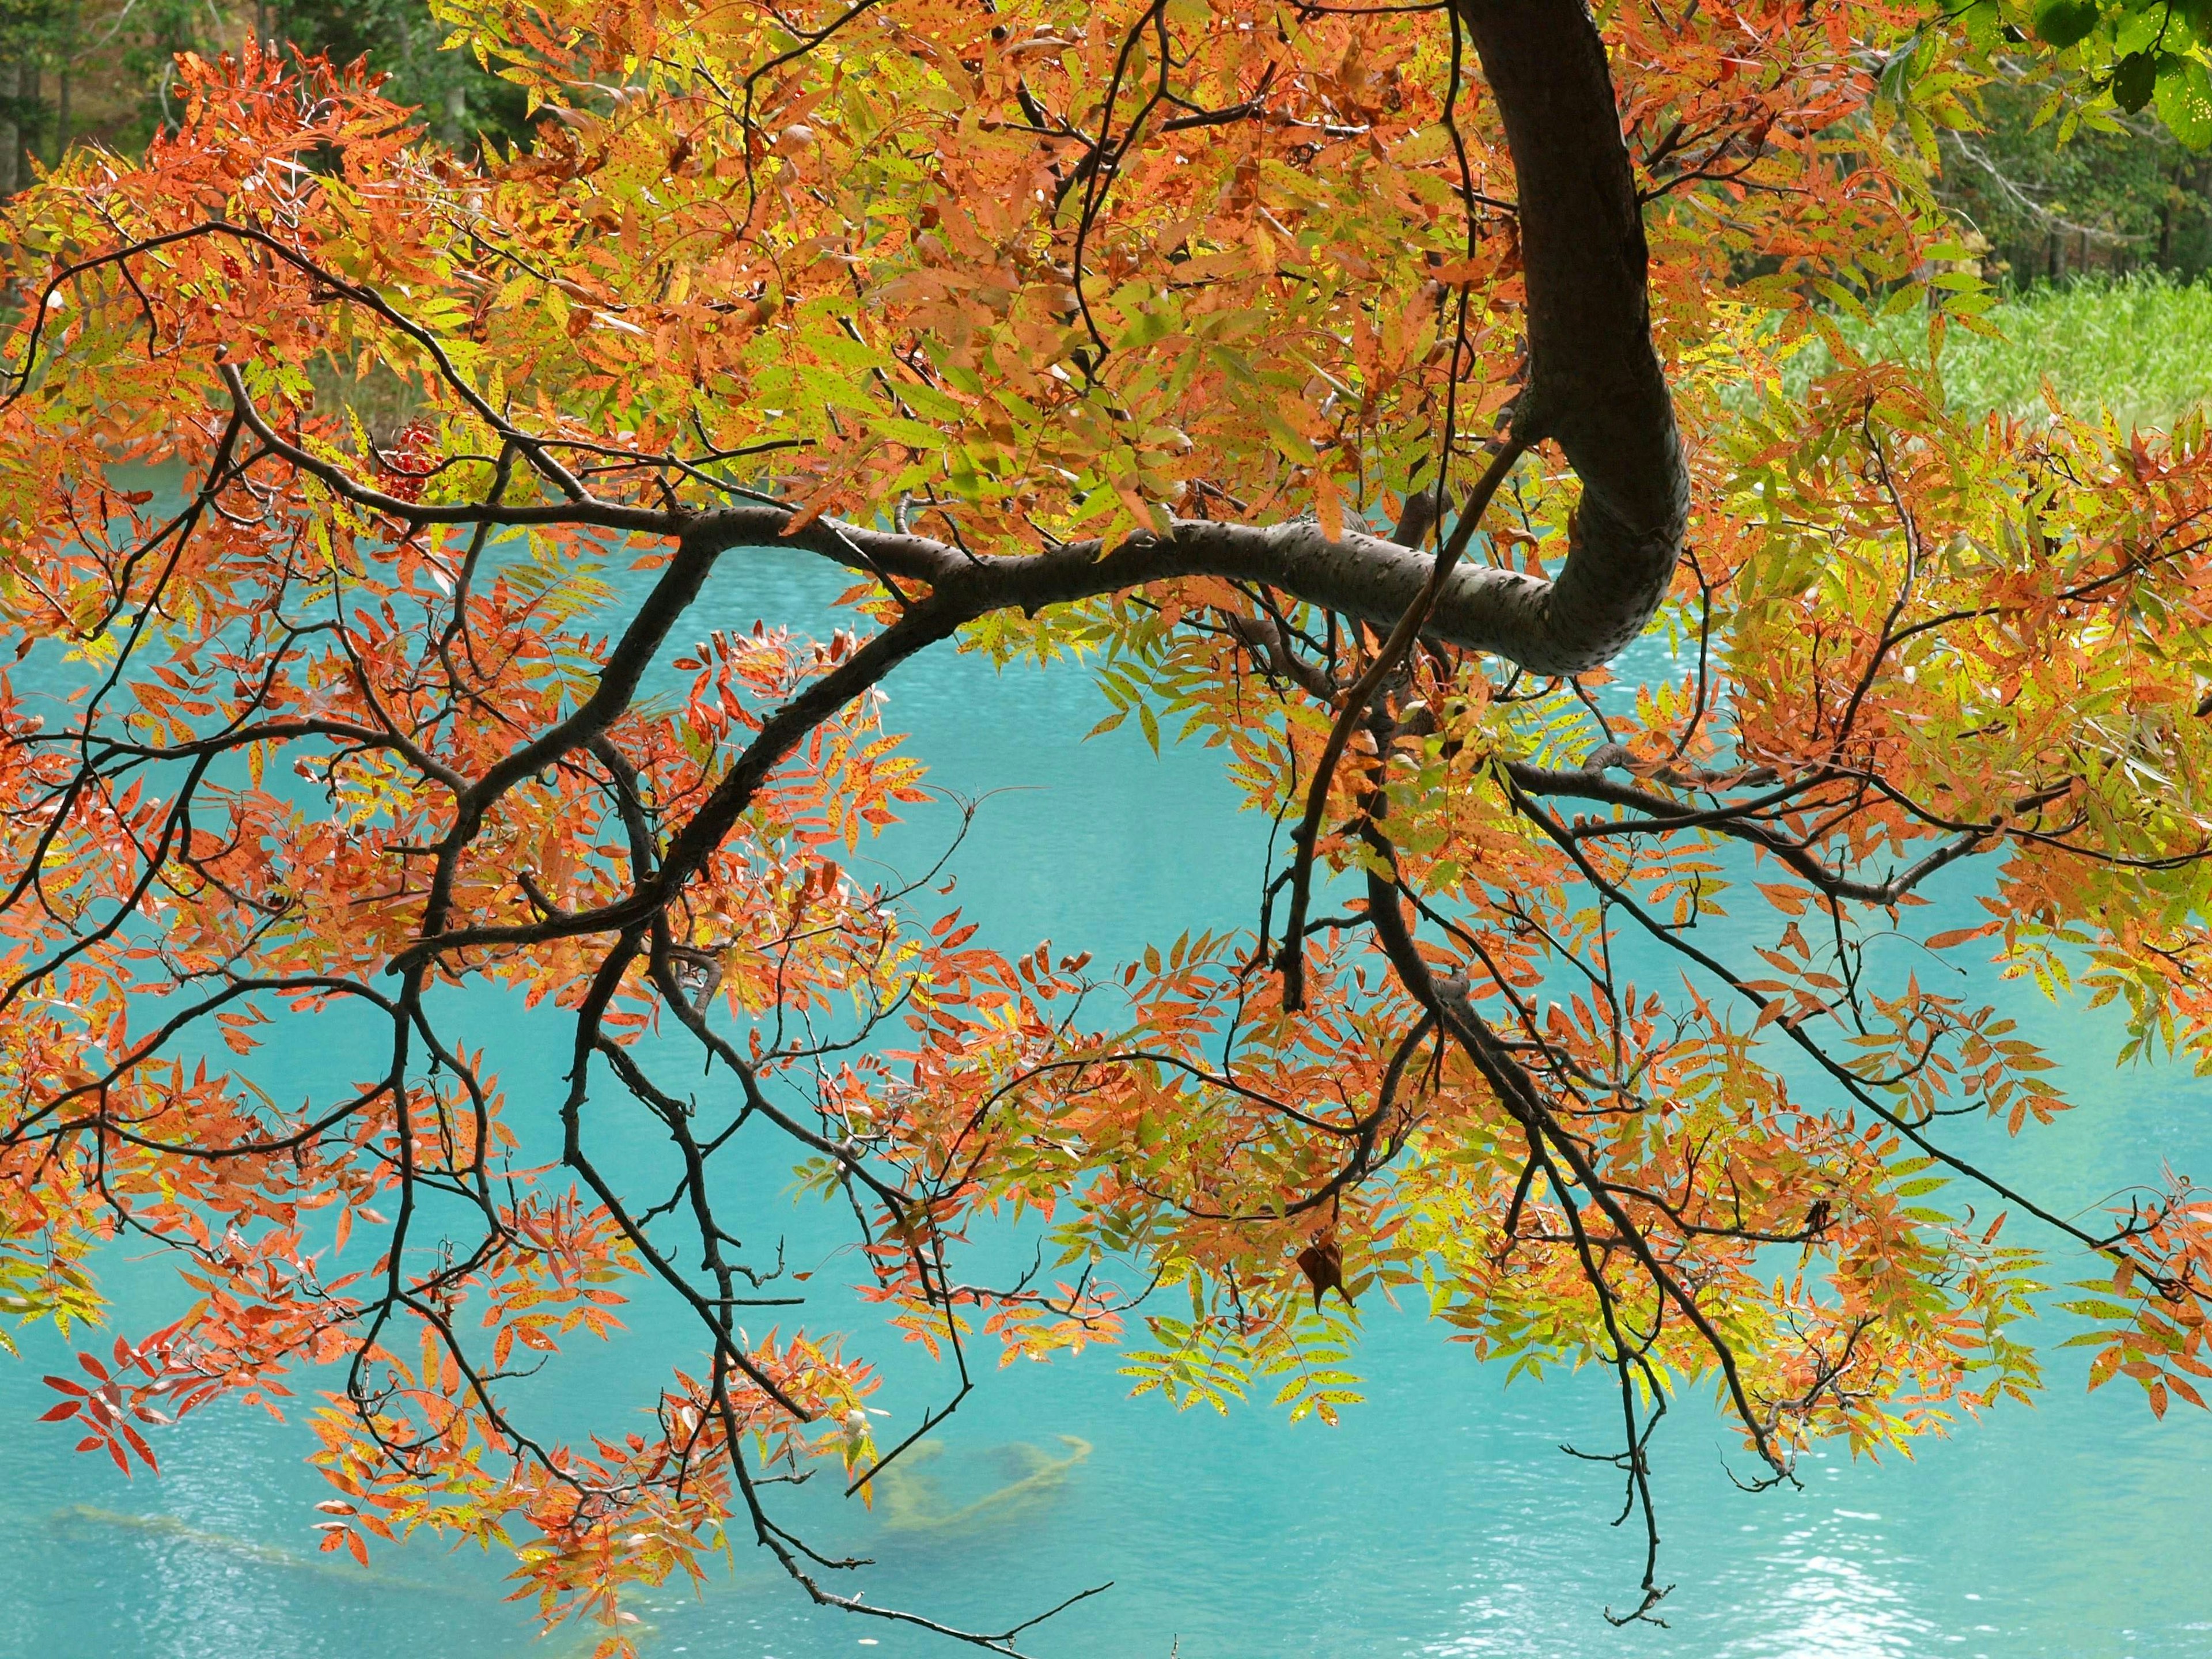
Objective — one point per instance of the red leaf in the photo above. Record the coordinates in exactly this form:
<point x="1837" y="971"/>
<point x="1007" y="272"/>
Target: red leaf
<point x="805" y="516"/>
<point x="1944" y="941"/>
<point x="1322" y="1263"/>
<point x="138" y="1444"/>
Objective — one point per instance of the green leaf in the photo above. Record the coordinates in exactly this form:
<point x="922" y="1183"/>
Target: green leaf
<point x="931" y="403"/>
<point x="2062" y="23"/>
<point x="2097" y="1310"/>
<point x="1897" y="74"/>
<point x="2184" y="100"/>
<point x="1289" y="439"/>
<point x="2134" y="80"/>
<point x="913" y="433"/>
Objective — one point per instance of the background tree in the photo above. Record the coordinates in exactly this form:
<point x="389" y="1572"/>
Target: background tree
<point x="105" y="69"/>
<point x="2121" y="194"/>
<point x="31" y="32"/>
<point x="2126" y="93"/>
<point x="1128" y="331"/>
<point x="463" y="101"/>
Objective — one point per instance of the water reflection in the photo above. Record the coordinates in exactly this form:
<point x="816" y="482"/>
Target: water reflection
<point x="1439" y="1519"/>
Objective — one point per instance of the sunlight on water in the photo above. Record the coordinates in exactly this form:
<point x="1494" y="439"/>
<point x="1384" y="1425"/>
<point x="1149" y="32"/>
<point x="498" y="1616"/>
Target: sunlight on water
<point x="1440" y="1519"/>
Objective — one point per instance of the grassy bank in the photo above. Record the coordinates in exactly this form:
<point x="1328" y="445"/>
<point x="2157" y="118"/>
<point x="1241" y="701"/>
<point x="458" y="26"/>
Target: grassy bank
<point x="2141" y="347"/>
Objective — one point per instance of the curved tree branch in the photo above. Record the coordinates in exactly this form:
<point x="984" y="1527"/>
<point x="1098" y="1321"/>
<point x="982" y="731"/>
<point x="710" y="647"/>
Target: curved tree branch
<point x="1594" y="382"/>
<point x="1595" y="387"/>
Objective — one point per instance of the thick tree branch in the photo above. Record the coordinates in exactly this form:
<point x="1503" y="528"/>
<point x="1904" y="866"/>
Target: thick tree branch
<point x="1594" y="382"/>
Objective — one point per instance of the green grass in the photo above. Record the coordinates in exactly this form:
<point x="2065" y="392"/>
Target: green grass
<point x="2141" y="347"/>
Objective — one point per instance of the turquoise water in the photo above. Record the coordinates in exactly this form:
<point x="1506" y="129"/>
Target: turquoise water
<point x="1441" y="1518"/>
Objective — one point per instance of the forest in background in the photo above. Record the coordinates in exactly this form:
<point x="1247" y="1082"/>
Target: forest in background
<point x="104" y="69"/>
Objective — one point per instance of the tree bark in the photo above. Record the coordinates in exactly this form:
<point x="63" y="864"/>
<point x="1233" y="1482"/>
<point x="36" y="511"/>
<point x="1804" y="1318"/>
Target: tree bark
<point x="1481" y="609"/>
<point x="1595" y="383"/>
<point x="11" y="135"/>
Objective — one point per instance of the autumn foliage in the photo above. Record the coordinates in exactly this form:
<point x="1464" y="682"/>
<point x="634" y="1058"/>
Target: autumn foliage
<point x="950" y="294"/>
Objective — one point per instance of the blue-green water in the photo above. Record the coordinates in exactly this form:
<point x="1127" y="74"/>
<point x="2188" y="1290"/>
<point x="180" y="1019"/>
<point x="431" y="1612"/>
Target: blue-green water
<point x="1440" y="1518"/>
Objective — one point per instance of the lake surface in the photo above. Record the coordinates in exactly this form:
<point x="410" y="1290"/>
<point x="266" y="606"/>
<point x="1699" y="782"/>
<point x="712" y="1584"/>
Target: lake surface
<point x="1441" y="1518"/>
